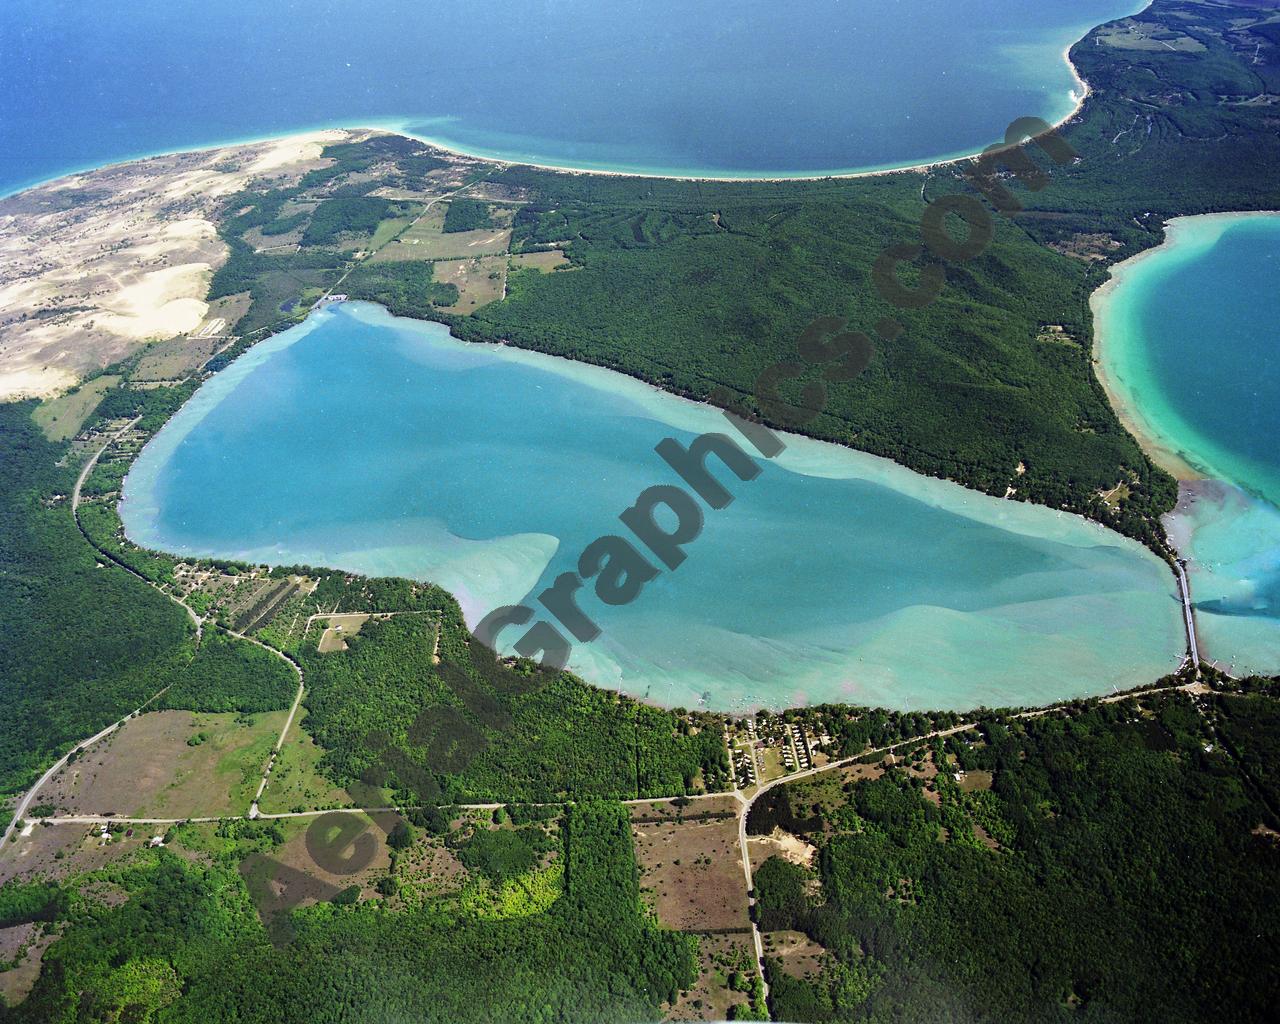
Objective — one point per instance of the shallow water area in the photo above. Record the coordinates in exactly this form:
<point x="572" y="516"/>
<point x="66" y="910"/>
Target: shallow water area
<point x="361" y="441"/>
<point x="1189" y="343"/>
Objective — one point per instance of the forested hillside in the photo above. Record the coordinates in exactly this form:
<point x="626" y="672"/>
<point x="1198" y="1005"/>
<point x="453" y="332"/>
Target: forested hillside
<point x="187" y="945"/>
<point x="1115" y="863"/>
<point x="386" y="712"/>
<point x="82" y="643"/>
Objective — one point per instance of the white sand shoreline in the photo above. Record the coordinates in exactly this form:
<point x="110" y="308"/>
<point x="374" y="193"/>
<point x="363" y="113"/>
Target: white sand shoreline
<point x="1082" y="92"/>
<point x="1149" y="437"/>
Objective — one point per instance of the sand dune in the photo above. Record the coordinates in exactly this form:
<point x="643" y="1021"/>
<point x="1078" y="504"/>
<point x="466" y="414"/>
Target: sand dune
<point x="95" y="264"/>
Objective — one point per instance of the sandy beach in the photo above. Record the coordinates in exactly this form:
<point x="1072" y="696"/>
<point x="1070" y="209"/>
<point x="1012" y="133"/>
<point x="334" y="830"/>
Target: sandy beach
<point x="1162" y="450"/>
<point x="1081" y="93"/>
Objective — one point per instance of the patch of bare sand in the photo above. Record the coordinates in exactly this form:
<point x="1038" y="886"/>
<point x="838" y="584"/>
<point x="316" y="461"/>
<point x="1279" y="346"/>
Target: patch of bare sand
<point x="781" y="844"/>
<point x="94" y="265"/>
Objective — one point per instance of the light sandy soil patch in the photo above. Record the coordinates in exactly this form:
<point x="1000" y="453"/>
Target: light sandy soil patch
<point x="694" y="870"/>
<point x="27" y="941"/>
<point x="61" y="418"/>
<point x="543" y="261"/>
<point x="148" y="768"/>
<point x="799" y="955"/>
<point x="985" y="837"/>
<point x="479" y="281"/>
<point x="781" y="844"/>
<point x="178" y="357"/>
<point x="13" y="939"/>
<point x="95" y="264"/>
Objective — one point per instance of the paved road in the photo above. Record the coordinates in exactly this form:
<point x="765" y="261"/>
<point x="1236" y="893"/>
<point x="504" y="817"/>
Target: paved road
<point x="61" y="763"/>
<point x="1184" y="588"/>
<point x="75" y="513"/>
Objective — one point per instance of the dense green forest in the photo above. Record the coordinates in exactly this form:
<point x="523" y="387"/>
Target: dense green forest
<point x="1114" y="870"/>
<point x="85" y="642"/>
<point x="401" y="287"/>
<point x="188" y="946"/>
<point x="467" y="215"/>
<point x="350" y="216"/>
<point x="231" y="674"/>
<point x="82" y="643"/>
<point x="388" y="714"/>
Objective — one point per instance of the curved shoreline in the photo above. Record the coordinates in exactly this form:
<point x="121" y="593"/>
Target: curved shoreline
<point x="901" y="683"/>
<point x="1082" y="92"/>
<point x="1162" y="449"/>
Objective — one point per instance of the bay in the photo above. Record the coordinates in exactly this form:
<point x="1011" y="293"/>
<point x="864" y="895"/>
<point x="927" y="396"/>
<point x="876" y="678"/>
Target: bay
<point x="1190" y="347"/>
<point x="365" y="442"/>
<point x="666" y="86"/>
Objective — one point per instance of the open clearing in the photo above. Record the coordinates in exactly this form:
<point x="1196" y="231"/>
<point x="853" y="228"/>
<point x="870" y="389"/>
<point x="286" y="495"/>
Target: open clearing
<point x="26" y="944"/>
<point x="710" y="997"/>
<point x="147" y="768"/>
<point x="800" y="956"/>
<point x="60" y="419"/>
<point x="427" y="240"/>
<point x="544" y="261"/>
<point x="296" y="783"/>
<point x="781" y="844"/>
<point x="429" y="869"/>
<point x="177" y="357"/>
<point x="338" y="629"/>
<point x="479" y="281"/>
<point x="694" y="869"/>
<point x="307" y="881"/>
<point x="81" y="847"/>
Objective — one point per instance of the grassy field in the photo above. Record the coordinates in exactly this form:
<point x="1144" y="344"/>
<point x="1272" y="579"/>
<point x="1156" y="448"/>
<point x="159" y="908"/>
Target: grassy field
<point x="551" y="259"/>
<point x="693" y="867"/>
<point x="427" y="240"/>
<point x="479" y="280"/>
<point x="337" y="628"/>
<point x="170" y="764"/>
<point x="387" y="230"/>
<point x="296" y="783"/>
<point x="61" y="418"/>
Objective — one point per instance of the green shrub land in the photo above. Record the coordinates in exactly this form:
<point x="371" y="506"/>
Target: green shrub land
<point x="467" y="215"/>
<point x="1113" y="871"/>
<point x="188" y="945"/>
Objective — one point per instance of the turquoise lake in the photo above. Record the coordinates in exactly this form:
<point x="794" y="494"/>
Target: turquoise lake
<point x="1191" y="346"/>
<point x="668" y="86"/>
<point x="362" y="441"/>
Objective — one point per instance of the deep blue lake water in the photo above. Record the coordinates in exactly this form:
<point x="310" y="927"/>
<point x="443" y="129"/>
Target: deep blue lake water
<point x="364" y="442"/>
<point x="686" y="86"/>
